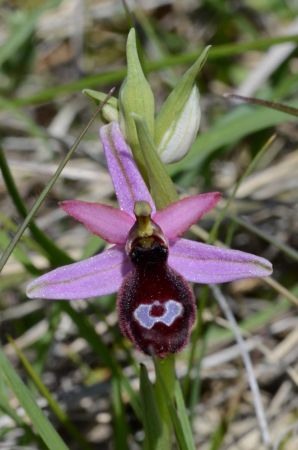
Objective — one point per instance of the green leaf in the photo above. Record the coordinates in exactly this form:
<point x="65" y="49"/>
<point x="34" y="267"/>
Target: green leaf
<point x="166" y="394"/>
<point x="119" y="419"/>
<point x="162" y="188"/>
<point x="12" y="413"/>
<point x="135" y="97"/>
<point x="165" y="376"/>
<point x="41" y="424"/>
<point x="5" y="405"/>
<point x="183" y="417"/>
<point x="53" y="404"/>
<point x="151" y="417"/>
<point x="219" y="433"/>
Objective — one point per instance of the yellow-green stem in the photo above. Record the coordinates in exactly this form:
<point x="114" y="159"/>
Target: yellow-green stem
<point x="165" y="379"/>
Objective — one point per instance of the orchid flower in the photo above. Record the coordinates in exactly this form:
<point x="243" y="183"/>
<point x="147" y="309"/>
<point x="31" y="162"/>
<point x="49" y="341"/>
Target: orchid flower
<point x="149" y="262"/>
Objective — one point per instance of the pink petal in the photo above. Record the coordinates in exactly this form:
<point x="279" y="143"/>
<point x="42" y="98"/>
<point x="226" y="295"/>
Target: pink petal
<point x="128" y="183"/>
<point x="99" y="275"/>
<point x="204" y="263"/>
<point x="176" y="218"/>
<point x="105" y="221"/>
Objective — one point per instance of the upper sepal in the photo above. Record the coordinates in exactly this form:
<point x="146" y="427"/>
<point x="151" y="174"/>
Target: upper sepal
<point x="128" y="182"/>
<point x="136" y="97"/>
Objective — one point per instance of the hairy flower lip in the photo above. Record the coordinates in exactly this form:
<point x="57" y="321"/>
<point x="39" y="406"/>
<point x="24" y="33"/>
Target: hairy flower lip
<point x="103" y="274"/>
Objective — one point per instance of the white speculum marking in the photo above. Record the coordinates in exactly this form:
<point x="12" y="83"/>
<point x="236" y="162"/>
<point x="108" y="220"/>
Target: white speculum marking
<point x="172" y="310"/>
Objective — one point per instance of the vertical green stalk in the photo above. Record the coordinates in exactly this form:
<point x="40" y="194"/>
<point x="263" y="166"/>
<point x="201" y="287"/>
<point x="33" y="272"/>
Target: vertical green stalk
<point x="192" y="388"/>
<point x="165" y="378"/>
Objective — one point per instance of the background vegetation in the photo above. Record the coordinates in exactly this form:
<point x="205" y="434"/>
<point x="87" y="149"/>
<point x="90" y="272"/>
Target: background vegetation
<point x="68" y="361"/>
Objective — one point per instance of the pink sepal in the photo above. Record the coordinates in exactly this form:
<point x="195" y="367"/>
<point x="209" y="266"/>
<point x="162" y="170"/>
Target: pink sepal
<point x="202" y="263"/>
<point x="99" y="275"/>
<point x="128" y="183"/>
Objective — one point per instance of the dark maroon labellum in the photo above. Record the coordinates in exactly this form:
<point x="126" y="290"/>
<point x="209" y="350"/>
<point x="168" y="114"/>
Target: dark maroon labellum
<point x="156" y="305"/>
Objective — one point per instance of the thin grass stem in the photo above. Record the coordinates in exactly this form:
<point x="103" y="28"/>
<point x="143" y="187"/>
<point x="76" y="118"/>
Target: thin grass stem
<point x="7" y="252"/>
<point x="259" y="409"/>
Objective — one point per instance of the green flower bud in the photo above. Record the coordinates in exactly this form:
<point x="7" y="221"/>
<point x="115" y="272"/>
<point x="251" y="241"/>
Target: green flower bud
<point x="110" y="110"/>
<point x="178" y="121"/>
<point x="179" y="137"/>
<point x="135" y="97"/>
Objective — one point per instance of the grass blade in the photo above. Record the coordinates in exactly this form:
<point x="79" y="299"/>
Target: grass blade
<point x="151" y="417"/>
<point x="53" y="404"/>
<point x="120" y="425"/>
<point x="178" y="419"/>
<point x="258" y="101"/>
<point x="183" y="416"/>
<point x="110" y="77"/>
<point x="214" y="231"/>
<point x="21" y="32"/>
<point x="47" y="189"/>
<point x="259" y="409"/>
<point x="42" y="425"/>
<point x="53" y="252"/>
